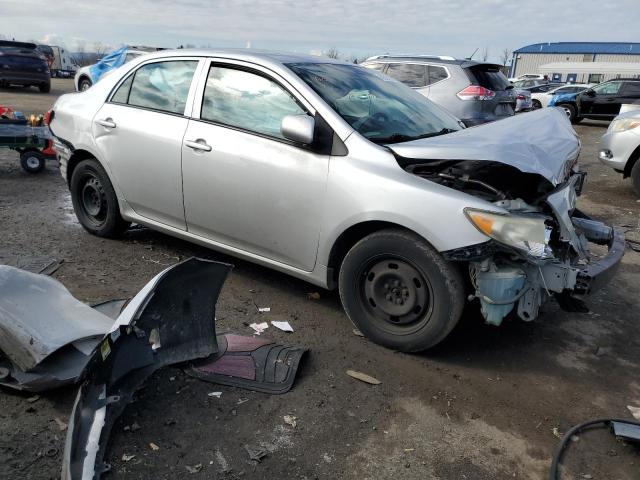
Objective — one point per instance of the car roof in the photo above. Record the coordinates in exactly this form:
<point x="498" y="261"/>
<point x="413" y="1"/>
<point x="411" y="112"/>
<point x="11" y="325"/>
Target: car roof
<point x="246" y="54"/>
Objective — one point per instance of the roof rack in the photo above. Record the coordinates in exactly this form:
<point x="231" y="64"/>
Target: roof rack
<point x="409" y="55"/>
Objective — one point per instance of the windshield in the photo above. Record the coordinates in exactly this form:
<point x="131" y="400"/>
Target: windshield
<point x="378" y="107"/>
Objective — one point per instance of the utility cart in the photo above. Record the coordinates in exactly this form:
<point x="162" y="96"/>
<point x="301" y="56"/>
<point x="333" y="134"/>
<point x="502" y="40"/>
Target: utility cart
<point x="34" y="144"/>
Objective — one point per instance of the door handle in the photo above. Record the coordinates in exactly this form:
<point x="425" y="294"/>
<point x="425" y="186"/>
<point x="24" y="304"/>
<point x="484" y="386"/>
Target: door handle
<point x="107" y="123"/>
<point x="199" y="144"/>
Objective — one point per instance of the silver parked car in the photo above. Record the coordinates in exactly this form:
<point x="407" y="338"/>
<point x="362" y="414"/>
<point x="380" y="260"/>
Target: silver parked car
<point x="341" y="176"/>
<point x="620" y="147"/>
<point x="472" y="91"/>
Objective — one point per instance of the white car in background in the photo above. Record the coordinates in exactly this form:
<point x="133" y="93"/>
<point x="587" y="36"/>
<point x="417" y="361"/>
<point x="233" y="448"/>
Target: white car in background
<point x="541" y="99"/>
<point x="527" y="76"/>
<point x="86" y="76"/>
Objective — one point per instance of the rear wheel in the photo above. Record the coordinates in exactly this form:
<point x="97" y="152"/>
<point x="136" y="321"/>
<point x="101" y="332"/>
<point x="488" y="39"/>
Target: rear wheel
<point x="95" y="201"/>
<point x="399" y="291"/>
<point x="32" y="161"/>
<point x="535" y="104"/>
<point x="635" y="178"/>
<point x="45" y="87"/>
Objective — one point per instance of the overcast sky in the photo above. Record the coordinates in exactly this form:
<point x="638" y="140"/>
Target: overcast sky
<point x="453" y="27"/>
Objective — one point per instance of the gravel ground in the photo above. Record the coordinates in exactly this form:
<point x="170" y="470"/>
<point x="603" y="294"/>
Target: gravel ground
<point x="482" y="405"/>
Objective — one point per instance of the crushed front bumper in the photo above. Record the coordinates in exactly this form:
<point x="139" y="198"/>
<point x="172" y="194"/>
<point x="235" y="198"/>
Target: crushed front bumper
<point x="597" y="273"/>
<point x="505" y="280"/>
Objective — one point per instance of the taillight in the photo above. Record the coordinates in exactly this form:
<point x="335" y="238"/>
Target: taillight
<point x="48" y="117"/>
<point x="520" y="97"/>
<point x="476" y="92"/>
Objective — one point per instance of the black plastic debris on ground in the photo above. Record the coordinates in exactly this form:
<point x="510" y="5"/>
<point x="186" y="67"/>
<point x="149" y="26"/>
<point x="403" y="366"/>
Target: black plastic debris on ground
<point x="171" y="320"/>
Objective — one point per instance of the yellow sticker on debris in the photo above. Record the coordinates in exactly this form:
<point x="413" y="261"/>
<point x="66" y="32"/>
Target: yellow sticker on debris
<point x="105" y="350"/>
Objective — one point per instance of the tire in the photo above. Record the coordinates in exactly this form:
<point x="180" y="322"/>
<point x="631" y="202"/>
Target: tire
<point x="44" y="87"/>
<point x="95" y="201"/>
<point x="535" y="104"/>
<point x="635" y="178"/>
<point x="399" y="291"/>
<point x="32" y="161"/>
<point x="85" y="84"/>
<point x="570" y="110"/>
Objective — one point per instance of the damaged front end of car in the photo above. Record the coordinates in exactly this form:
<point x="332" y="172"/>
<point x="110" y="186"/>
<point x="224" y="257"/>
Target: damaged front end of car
<point x="539" y="241"/>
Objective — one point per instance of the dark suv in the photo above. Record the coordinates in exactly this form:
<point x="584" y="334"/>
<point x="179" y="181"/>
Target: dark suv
<point x="603" y="101"/>
<point x="472" y="91"/>
<point x="23" y="64"/>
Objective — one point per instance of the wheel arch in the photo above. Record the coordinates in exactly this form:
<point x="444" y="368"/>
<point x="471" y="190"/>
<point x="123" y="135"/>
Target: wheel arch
<point x="348" y="238"/>
<point x="78" y="156"/>
<point x="633" y="158"/>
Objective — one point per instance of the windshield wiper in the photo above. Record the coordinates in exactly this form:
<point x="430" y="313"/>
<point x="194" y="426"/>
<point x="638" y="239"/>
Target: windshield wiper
<point x="399" y="137"/>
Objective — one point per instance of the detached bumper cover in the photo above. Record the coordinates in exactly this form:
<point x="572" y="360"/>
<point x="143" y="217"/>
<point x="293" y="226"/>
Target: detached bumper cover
<point x="595" y="274"/>
<point x="171" y="320"/>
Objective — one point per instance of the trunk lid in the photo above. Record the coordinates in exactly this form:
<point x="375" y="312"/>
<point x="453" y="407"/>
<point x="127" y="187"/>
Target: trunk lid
<point x="488" y="75"/>
<point x="541" y="142"/>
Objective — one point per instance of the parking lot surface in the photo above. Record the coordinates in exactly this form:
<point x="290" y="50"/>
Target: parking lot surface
<point x="488" y="403"/>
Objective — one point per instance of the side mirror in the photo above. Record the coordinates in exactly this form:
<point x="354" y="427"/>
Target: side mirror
<point x="298" y="128"/>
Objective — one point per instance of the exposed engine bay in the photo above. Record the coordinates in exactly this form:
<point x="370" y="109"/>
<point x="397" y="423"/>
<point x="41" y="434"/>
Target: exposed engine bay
<point x="539" y="240"/>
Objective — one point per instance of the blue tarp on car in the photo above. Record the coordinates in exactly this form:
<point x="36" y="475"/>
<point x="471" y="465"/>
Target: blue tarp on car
<point x="108" y="62"/>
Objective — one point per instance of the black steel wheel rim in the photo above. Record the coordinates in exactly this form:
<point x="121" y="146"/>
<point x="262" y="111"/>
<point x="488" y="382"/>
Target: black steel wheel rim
<point x="396" y="293"/>
<point x="93" y="200"/>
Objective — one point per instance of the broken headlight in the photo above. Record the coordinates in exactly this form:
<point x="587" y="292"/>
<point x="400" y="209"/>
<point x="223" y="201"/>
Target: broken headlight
<point x="526" y="233"/>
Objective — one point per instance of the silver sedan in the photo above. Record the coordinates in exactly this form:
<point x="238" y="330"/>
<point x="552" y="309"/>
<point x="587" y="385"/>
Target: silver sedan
<point x="620" y="147"/>
<point x="341" y="176"/>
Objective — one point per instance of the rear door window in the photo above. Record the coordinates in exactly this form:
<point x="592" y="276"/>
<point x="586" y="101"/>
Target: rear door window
<point x="437" y="74"/>
<point x="162" y="86"/>
<point x="631" y="89"/>
<point x="410" y="74"/>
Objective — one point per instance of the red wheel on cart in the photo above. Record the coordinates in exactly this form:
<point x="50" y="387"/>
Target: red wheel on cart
<point x="32" y="161"/>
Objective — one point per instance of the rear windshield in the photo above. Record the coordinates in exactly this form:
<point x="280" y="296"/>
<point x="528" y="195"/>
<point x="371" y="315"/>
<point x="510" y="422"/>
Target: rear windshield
<point x="487" y="76"/>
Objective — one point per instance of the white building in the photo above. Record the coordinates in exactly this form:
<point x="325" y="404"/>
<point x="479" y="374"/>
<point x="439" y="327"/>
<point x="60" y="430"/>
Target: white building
<point x="529" y="59"/>
<point x="589" y="72"/>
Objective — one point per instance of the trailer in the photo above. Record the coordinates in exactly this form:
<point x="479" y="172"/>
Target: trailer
<point x="31" y="138"/>
<point x="61" y="63"/>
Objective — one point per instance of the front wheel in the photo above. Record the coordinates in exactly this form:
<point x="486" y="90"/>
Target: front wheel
<point x="95" y="201"/>
<point x="570" y="111"/>
<point x="399" y="291"/>
<point x="85" y="84"/>
<point x="535" y="104"/>
<point x="635" y="178"/>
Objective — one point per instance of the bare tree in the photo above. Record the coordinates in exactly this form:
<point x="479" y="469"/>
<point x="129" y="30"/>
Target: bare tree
<point x="485" y="54"/>
<point x="99" y="49"/>
<point x="333" y="52"/>
<point x="505" y="56"/>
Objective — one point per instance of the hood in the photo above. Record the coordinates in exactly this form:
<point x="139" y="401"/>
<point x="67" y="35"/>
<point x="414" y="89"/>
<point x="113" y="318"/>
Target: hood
<point x="541" y="142"/>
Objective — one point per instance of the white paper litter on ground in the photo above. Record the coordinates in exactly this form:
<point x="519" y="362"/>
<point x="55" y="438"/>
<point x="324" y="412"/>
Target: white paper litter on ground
<point x="284" y="326"/>
<point x="259" y="327"/>
<point x="214" y="394"/>
<point x="264" y="309"/>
